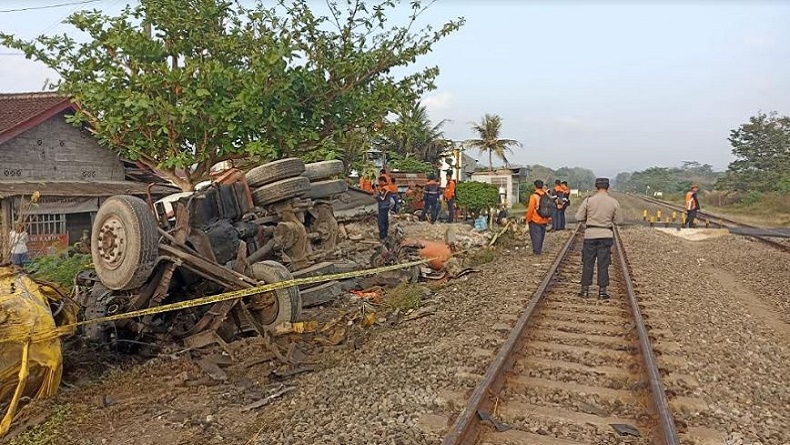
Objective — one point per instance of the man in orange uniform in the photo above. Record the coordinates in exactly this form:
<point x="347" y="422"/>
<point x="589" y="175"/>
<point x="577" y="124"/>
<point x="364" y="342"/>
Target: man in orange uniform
<point x="537" y="222"/>
<point x="389" y="184"/>
<point x="449" y="196"/>
<point x="366" y="184"/>
<point x="692" y="206"/>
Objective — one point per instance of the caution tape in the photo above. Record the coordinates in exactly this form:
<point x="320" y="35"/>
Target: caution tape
<point x="231" y="295"/>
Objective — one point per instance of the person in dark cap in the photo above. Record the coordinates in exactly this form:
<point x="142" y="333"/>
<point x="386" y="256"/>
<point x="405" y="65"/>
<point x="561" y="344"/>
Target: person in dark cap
<point x="431" y="197"/>
<point x="599" y="213"/>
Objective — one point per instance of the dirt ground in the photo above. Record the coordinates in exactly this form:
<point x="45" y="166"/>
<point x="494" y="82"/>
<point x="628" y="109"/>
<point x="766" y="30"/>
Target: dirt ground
<point x="402" y="377"/>
<point x="369" y="381"/>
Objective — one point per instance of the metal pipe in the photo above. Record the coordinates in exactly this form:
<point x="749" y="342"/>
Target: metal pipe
<point x="262" y="252"/>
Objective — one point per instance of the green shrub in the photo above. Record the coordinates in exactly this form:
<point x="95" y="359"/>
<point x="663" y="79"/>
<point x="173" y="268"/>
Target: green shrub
<point x="753" y="197"/>
<point x="476" y="196"/>
<point x="59" y="269"/>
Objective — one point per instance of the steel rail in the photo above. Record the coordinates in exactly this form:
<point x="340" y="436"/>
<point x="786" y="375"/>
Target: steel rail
<point x="465" y="430"/>
<point x="726" y="221"/>
<point x="668" y="431"/>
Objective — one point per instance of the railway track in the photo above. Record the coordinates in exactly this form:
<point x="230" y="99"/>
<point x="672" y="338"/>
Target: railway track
<point x="718" y="220"/>
<point x="573" y="370"/>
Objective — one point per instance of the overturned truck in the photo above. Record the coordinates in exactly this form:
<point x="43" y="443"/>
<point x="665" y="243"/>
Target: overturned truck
<point x="271" y="224"/>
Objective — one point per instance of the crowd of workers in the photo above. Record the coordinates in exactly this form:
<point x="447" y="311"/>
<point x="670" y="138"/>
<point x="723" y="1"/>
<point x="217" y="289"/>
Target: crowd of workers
<point x="599" y="213"/>
<point x="426" y="199"/>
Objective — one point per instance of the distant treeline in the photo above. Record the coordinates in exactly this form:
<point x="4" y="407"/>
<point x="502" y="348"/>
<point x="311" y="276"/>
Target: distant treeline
<point x="668" y="180"/>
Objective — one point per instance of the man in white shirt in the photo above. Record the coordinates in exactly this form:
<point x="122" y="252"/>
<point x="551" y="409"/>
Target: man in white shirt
<point x="18" y="239"/>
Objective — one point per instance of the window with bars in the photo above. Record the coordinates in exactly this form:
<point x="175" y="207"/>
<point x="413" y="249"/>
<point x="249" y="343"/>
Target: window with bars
<point x="45" y="224"/>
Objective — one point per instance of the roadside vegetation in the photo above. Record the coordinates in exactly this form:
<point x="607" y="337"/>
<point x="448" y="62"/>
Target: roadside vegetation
<point x="755" y="186"/>
<point x="60" y="269"/>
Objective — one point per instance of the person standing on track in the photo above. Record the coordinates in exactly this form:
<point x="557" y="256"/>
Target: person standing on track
<point x="692" y="206"/>
<point x="537" y="222"/>
<point x="600" y="213"/>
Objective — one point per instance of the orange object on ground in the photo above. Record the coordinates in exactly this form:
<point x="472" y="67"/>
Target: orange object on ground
<point x="439" y="252"/>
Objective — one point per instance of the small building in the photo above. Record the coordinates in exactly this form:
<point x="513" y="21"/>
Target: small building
<point x="507" y="179"/>
<point x="41" y="152"/>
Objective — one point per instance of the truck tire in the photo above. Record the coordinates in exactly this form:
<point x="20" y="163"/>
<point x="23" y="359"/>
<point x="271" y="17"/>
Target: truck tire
<point x="325" y="189"/>
<point x="124" y="242"/>
<point x="323" y="170"/>
<point x="278" y="306"/>
<point x="274" y="171"/>
<point x="280" y="191"/>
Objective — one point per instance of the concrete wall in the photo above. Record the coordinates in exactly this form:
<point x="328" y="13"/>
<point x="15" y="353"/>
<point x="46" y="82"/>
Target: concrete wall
<point x="56" y="150"/>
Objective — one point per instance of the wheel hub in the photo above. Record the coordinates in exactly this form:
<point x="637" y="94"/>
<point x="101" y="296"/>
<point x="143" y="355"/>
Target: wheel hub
<point x="112" y="242"/>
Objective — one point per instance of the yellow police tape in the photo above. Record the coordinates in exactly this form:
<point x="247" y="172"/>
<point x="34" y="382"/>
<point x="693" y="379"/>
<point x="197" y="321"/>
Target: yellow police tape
<point x="232" y="295"/>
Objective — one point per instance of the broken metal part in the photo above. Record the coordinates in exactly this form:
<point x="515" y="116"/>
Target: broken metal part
<point x="485" y="416"/>
<point x="625" y="430"/>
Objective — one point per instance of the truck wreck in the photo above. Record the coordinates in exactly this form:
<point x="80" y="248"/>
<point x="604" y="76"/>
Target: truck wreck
<point x="269" y="225"/>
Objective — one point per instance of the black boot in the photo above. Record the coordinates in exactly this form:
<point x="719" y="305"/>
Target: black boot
<point x="603" y="294"/>
<point x="585" y="292"/>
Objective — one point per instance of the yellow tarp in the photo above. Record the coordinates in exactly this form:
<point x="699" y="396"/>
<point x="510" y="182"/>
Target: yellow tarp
<point x="29" y="368"/>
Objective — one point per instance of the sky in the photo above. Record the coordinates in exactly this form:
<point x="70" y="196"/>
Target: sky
<point x="611" y="86"/>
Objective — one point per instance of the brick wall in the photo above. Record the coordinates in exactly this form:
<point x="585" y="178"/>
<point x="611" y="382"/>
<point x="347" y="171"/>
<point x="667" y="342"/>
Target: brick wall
<point x="56" y="150"/>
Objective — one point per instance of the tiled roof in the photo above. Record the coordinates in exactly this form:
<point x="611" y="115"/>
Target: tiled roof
<point x="21" y="111"/>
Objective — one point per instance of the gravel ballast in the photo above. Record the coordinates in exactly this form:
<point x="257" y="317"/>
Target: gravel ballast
<point x="726" y="302"/>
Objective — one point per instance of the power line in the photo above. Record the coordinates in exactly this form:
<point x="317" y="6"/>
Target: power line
<point x="58" y="5"/>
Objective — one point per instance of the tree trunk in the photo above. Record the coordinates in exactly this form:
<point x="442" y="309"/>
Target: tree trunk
<point x="490" y="160"/>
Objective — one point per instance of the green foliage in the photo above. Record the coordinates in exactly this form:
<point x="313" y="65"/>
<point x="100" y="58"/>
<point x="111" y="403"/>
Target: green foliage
<point x="404" y="297"/>
<point x="184" y="84"/>
<point x="668" y="180"/>
<point x="413" y="134"/>
<point x="59" y="269"/>
<point x="753" y="197"/>
<point x="410" y="164"/>
<point x="762" y="151"/>
<point x="476" y="196"/>
<point x="577" y="177"/>
<point x="488" y="139"/>
<point x="525" y="189"/>
<point x="483" y="256"/>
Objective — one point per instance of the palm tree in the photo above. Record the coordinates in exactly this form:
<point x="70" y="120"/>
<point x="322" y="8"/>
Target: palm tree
<point x="489" y="141"/>
<point x="413" y="134"/>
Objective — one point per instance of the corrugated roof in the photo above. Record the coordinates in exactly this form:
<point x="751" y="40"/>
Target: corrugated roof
<point x="80" y="188"/>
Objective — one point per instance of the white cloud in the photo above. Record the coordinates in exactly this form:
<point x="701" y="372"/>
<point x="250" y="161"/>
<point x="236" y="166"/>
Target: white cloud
<point x="438" y="104"/>
<point x="18" y="74"/>
<point x="563" y="122"/>
<point x="759" y="41"/>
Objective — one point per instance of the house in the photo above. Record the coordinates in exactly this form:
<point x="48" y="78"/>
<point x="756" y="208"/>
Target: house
<point x="507" y="179"/>
<point x="41" y="152"/>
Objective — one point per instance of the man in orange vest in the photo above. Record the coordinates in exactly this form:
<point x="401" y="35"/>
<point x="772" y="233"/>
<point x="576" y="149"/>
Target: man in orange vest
<point x="537" y="219"/>
<point x="692" y="206"/>
<point x="388" y="183"/>
<point x="449" y="196"/>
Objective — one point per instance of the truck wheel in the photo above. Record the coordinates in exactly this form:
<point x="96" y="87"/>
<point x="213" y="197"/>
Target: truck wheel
<point x="325" y="189"/>
<point x="124" y="242"/>
<point x="278" y="306"/>
<point x="274" y="171"/>
<point x="280" y="190"/>
<point x="323" y="170"/>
